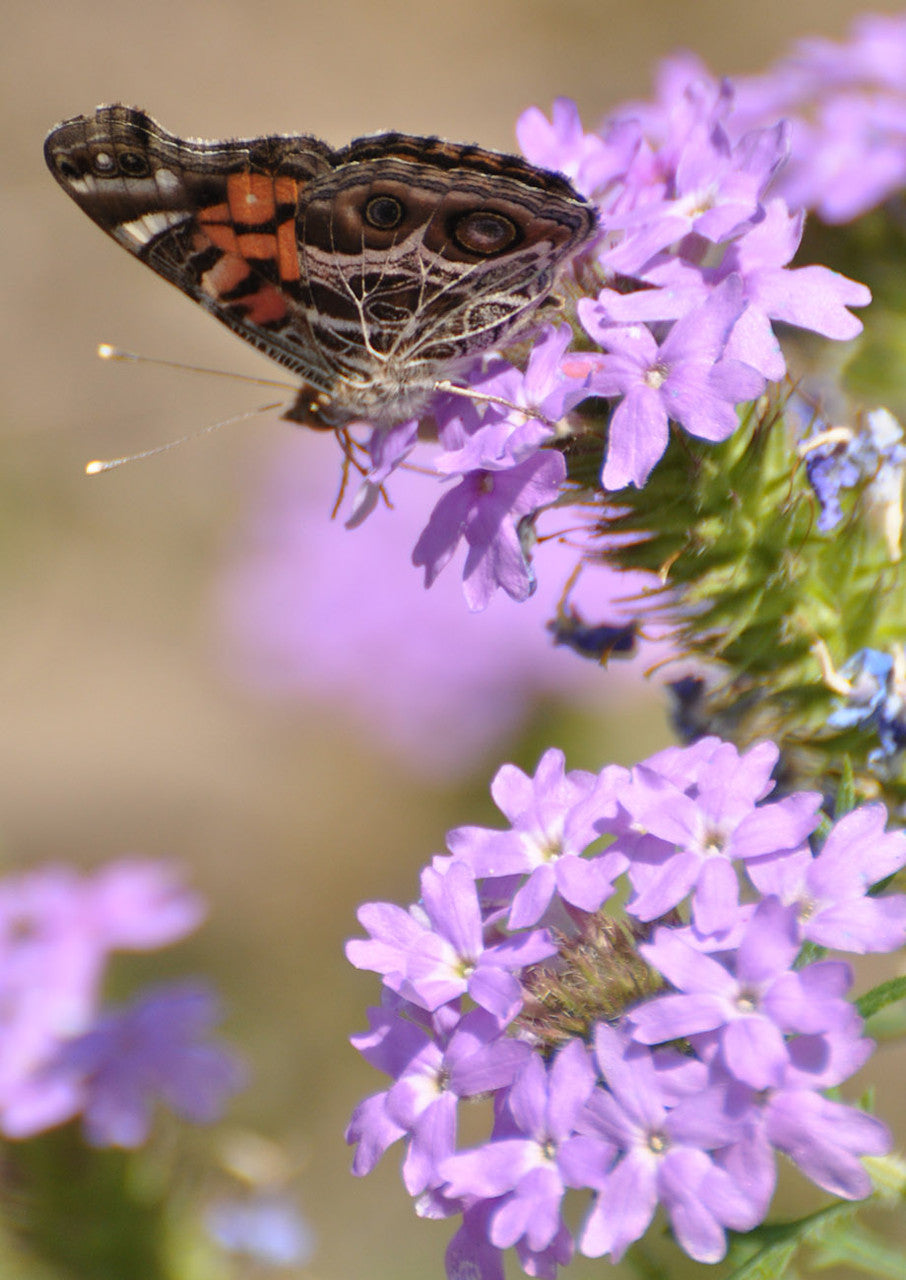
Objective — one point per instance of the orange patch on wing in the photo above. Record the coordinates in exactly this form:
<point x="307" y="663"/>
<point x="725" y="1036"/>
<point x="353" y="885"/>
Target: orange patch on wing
<point x="225" y="275"/>
<point x="223" y="237"/>
<point x="257" y="244"/>
<point x="286" y="190"/>
<point x="287" y="251"/>
<point x="214" y="213"/>
<point x="267" y="304"/>
<point x="251" y="197"/>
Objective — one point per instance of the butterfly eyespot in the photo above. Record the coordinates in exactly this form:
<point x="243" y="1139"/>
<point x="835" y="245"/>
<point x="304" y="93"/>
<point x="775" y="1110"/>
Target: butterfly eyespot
<point x="484" y="232"/>
<point x="67" y="168"/>
<point x="103" y="162"/>
<point x="132" y="164"/>
<point x="384" y="212"/>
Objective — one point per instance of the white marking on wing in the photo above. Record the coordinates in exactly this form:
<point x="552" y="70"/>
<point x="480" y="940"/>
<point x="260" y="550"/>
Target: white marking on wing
<point x="142" y="230"/>
<point x="168" y="182"/>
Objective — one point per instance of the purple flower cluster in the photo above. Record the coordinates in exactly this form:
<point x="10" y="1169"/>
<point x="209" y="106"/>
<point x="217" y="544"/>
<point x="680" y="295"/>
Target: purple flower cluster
<point x="846" y="103"/>
<point x="658" y="1056"/>
<point x="682" y="293"/>
<point x="695" y="258"/>
<point x="60" y="1054"/>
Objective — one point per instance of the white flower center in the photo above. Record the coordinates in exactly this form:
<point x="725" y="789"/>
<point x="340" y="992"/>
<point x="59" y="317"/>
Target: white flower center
<point x="658" y="1142"/>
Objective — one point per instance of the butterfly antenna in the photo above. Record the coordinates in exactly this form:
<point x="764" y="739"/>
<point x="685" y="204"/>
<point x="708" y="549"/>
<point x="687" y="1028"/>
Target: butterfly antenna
<point x="108" y="352"/>
<point x="97" y="465"/>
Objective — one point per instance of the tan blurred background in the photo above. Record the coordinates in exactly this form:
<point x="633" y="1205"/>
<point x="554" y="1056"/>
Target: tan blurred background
<point x="119" y="733"/>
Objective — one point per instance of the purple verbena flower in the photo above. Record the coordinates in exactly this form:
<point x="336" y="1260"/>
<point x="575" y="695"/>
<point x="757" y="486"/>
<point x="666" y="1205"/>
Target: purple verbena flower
<point x="485" y="509"/>
<point x="155" y="1050"/>
<point x="831" y="890"/>
<point x="434" y="1062"/>
<point x="590" y="160"/>
<point x="538" y="1155"/>
<point x="540" y="395"/>
<point x="811" y="297"/>
<point x="825" y="1138"/>
<point x="551" y="828"/>
<point x="387" y="450"/>
<point x="711" y="189"/>
<point x="57" y="932"/>
<point x="754" y="1004"/>
<point x="689" y="830"/>
<point x="470" y="1254"/>
<point x="439" y="953"/>
<point x="684" y="379"/>
<point x="666" y="1144"/>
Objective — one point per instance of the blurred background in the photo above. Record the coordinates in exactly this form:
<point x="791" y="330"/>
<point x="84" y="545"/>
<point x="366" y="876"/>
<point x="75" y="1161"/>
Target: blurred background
<point x="128" y="723"/>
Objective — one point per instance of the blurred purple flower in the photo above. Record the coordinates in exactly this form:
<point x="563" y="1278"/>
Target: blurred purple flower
<point x="310" y="610"/>
<point x="847" y="106"/>
<point x="140" y="906"/>
<point x="57" y="930"/>
<point x="155" y="1050"/>
<point x="265" y="1226"/>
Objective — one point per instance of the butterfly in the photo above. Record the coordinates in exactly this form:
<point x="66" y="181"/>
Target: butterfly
<point x="372" y="272"/>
